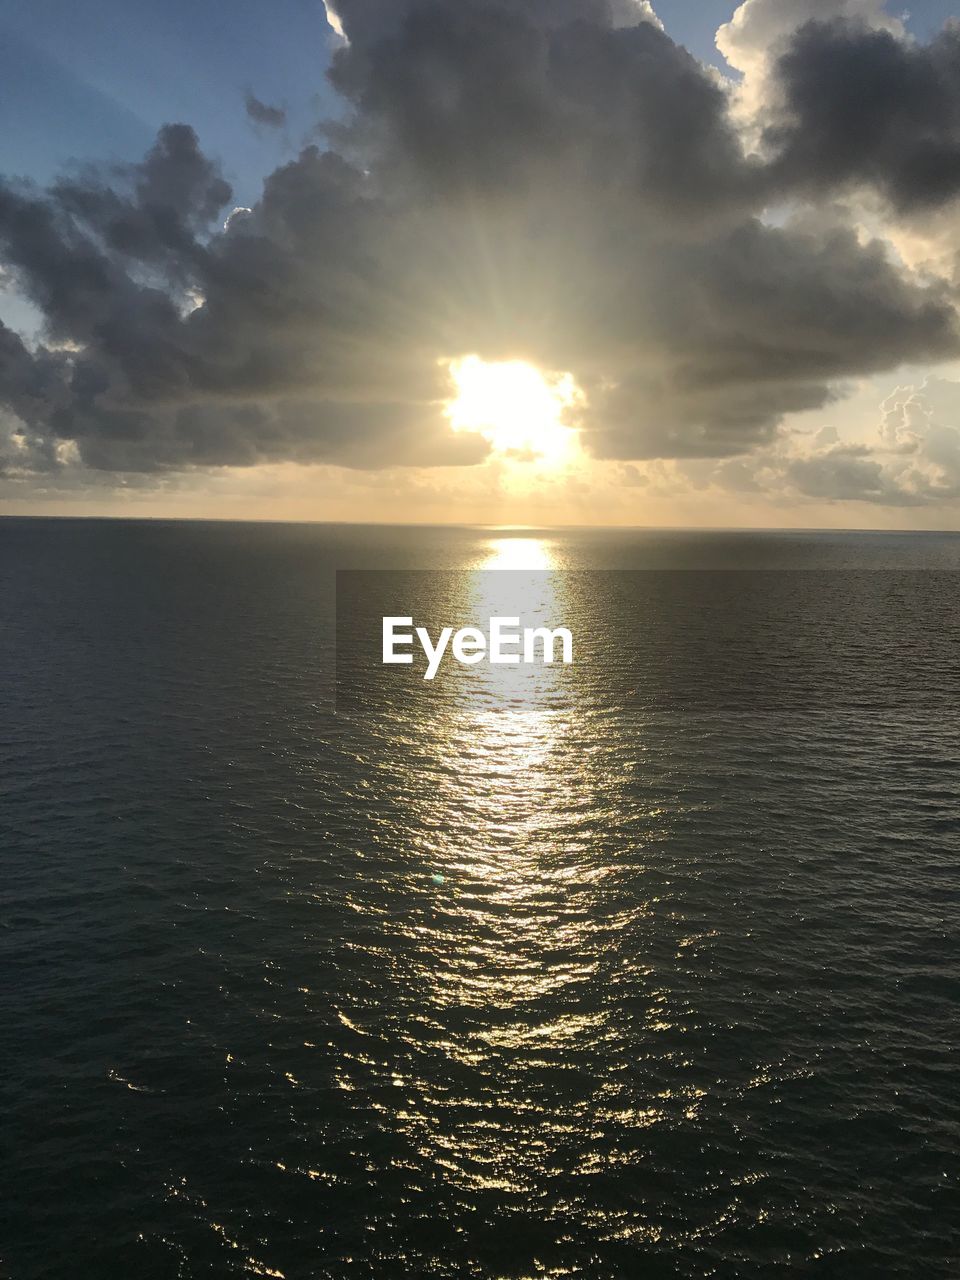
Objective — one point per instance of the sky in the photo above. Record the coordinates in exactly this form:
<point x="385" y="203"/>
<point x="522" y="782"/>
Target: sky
<point x="536" y="262"/>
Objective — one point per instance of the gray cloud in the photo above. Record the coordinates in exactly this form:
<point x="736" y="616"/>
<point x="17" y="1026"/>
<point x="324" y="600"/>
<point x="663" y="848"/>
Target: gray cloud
<point x="549" y="180"/>
<point x="547" y="100"/>
<point x="845" y="474"/>
<point x="265" y="114"/>
<point x="759" y="30"/>
<point x="912" y="460"/>
<point x="861" y="106"/>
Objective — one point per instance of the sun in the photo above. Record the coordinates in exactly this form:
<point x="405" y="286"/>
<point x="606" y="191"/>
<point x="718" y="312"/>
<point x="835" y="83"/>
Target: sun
<point x="520" y="410"/>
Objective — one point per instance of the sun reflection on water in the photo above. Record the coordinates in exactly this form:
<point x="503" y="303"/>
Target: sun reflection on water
<point x="515" y="552"/>
<point x="513" y="932"/>
<point x="515" y="935"/>
<point x="515" y="943"/>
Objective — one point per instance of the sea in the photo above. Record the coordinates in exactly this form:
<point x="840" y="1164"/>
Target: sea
<point x="643" y="966"/>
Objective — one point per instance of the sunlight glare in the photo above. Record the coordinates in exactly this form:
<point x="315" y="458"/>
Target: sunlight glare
<point x="517" y="553"/>
<point x="516" y="407"/>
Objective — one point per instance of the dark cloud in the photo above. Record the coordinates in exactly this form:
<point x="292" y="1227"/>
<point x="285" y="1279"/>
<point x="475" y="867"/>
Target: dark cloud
<point x="32" y="383"/>
<point x="861" y="106"/>
<point x="478" y="99"/>
<point x="265" y="114"/>
<point x="548" y="180"/>
<point x="32" y="386"/>
<point x="756" y="324"/>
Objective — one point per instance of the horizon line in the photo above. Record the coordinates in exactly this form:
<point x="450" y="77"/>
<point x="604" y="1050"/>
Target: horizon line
<point x="473" y="524"/>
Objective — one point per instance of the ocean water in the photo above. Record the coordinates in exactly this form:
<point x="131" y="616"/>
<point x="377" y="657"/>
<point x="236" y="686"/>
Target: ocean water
<point x="648" y="967"/>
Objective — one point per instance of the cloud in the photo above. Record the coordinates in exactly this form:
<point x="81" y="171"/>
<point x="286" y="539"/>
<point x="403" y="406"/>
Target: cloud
<point x="757" y="324"/>
<point x="553" y="180"/>
<point x="911" y="460"/>
<point x="365" y="23"/>
<point x="759" y="31"/>
<point x="862" y="107"/>
<point x="262" y="113"/>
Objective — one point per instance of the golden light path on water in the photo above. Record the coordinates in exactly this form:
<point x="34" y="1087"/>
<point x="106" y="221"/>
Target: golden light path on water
<point x="509" y="1008"/>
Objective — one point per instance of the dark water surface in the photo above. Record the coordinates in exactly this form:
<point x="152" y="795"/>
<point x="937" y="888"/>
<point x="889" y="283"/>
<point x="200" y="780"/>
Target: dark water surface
<point x="651" y="971"/>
